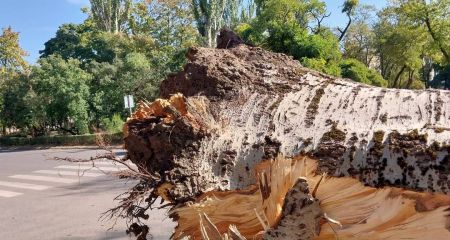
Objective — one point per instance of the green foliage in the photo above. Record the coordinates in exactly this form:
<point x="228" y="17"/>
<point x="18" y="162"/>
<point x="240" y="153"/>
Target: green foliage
<point x="16" y="110"/>
<point x="62" y="88"/>
<point x="120" y="64"/>
<point x="87" y="44"/>
<point x="111" y="15"/>
<point x="434" y="17"/>
<point x="323" y="45"/>
<point x="127" y="47"/>
<point x="359" y="40"/>
<point x="350" y="6"/>
<point x="169" y="23"/>
<point x="74" y="41"/>
<point x="400" y="45"/>
<point x="111" y="81"/>
<point x="114" y="124"/>
<point x="11" y="55"/>
<point x="417" y="85"/>
<point x="322" y="65"/>
<point x="282" y="26"/>
<point x="356" y="70"/>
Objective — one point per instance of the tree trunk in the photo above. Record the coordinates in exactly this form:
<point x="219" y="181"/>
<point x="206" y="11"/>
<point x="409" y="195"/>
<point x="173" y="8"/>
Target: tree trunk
<point x="343" y="32"/>
<point x="433" y="35"/>
<point x="397" y="77"/>
<point x="232" y="108"/>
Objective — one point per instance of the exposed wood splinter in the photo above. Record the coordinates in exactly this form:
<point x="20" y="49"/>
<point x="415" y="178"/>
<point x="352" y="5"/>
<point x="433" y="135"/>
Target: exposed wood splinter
<point x="360" y="212"/>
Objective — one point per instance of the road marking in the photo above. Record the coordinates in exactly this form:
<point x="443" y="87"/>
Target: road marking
<point x="24" y="185"/>
<point x="45" y="179"/>
<point x="112" y="169"/>
<point x="9" y="194"/>
<point x="70" y="173"/>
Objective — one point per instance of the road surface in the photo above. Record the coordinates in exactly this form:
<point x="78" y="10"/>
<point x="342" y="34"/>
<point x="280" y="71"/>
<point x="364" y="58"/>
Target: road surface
<point x="47" y="199"/>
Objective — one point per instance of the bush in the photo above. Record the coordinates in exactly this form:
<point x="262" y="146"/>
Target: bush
<point x="65" y="140"/>
<point x="244" y="30"/>
<point x="357" y="71"/>
<point x="322" y="66"/>
<point x="417" y="85"/>
<point x="113" y="125"/>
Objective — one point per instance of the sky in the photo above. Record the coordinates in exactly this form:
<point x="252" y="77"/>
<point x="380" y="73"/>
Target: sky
<point x="38" y="20"/>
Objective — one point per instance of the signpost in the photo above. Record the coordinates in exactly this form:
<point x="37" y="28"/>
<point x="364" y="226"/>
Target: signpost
<point x="129" y="102"/>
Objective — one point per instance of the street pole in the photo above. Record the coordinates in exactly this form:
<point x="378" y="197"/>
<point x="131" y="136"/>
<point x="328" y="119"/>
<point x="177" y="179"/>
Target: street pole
<point x="129" y="104"/>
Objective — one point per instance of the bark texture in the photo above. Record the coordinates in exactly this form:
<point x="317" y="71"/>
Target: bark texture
<point x="240" y="105"/>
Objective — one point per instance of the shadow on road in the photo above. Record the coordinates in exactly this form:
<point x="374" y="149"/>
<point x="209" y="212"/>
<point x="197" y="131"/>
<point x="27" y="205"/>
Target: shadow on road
<point x="94" y="186"/>
<point x="21" y="149"/>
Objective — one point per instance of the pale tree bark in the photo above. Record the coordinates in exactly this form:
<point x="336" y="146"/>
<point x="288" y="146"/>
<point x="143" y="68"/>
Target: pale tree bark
<point x="111" y="15"/>
<point x="232" y="108"/>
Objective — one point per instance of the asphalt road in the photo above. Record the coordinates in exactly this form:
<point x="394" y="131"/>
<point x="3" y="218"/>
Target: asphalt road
<point x="47" y="199"/>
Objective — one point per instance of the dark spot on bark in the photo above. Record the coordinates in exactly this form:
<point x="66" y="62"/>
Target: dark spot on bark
<point x="312" y="109"/>
<point x="438" y="107"/>
<point x="383" y="118"/>
<point x="307" y="142"/>
<point x="332" y="149"/>
<point x="271" y="148"/>
<point x="334" y="134"/>
<point x="401" y="163"/>
<point x="377" y="149"/>
<point x="439" y="130"/>
<point x="275" y="104"/>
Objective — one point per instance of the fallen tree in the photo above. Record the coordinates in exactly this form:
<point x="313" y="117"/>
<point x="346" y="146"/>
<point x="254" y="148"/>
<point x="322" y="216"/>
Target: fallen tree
<point x="235" y="106"/>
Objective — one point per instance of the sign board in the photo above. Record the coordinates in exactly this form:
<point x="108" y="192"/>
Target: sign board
<point x="128" y="101"/>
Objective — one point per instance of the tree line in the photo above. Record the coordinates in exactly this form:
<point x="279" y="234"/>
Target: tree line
<point x="128" y="46"/>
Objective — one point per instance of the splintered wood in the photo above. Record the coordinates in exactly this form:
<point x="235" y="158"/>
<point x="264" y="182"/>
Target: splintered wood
<point x="159" y="108"/>
<point x="350" y="209"/>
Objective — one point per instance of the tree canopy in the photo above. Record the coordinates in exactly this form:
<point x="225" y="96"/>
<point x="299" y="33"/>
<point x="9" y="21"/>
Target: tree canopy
<point x="126" y="47"/>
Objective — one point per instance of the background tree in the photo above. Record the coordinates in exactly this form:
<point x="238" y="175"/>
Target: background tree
<point x="348" y="8"/>
<point x="209" y="16"/>
<point x="133" y="74"/>
<point x="111" y="15"/>
<point x="294" y="28"/>
<point x="11" y="55"/>
<point x="74" y="41"/>
<point x="12" y="64"/>
<point x="359" y="40"/>
<point x="401" y="47"/>
<point x="62" y="87"/>
<point x="434" y="16"/>
<point x="122" y="64"/>
<point x="129" y="46"/>
<point x="212" y="15"/>
<point x="17" y="109"/>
